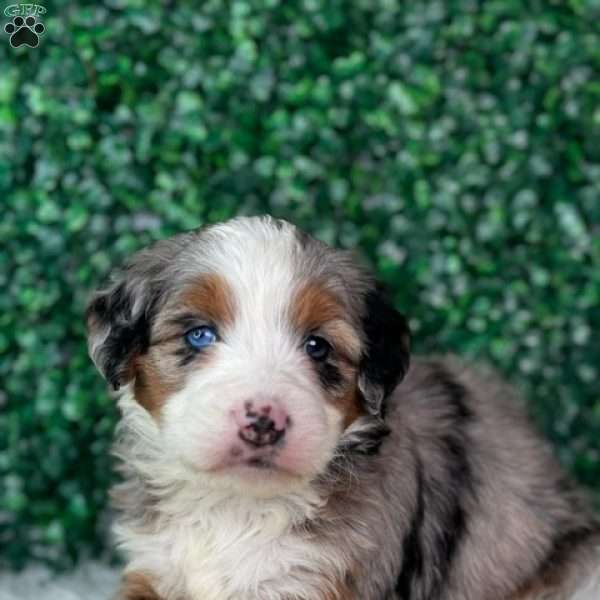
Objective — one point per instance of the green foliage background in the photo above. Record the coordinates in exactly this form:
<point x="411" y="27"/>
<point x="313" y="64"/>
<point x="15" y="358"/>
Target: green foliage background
<point x="456" y="143"/>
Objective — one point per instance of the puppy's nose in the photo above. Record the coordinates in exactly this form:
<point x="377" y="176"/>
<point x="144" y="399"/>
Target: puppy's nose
<point x="261" y="424"/>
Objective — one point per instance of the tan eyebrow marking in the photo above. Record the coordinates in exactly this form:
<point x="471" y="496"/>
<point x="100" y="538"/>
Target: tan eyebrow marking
<point x="212" y="298"/>
<point x="315" y="308"/>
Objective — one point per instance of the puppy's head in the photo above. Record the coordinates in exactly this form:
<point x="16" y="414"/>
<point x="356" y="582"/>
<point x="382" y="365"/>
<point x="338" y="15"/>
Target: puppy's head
<point x="257" y="352"/>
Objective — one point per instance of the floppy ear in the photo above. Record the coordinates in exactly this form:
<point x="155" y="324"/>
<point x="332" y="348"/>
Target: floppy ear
<point x="118" y="323"/>
<point x="119" y="317"/>
<point x="386" y="357"/>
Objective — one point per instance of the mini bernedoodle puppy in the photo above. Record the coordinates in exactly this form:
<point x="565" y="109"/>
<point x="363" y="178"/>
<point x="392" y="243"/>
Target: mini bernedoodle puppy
<point x="275" y="444"/>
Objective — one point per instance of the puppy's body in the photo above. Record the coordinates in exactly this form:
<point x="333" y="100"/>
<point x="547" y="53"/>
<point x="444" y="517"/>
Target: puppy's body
<point x="436" y="488"/>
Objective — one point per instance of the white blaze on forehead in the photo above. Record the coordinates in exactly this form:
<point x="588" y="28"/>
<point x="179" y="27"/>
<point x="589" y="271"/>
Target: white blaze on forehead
<point x="259" y="259"/>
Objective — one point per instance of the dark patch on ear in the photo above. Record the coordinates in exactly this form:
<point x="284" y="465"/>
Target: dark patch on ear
<point x="386" y="358"/>
<point x="127" y="335"/>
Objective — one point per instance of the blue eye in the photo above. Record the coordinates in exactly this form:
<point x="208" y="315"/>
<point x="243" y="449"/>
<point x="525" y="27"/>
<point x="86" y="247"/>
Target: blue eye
<point x="201" y="337"/>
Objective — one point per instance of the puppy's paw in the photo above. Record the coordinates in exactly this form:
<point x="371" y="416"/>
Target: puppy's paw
<point x="137" y="586"/>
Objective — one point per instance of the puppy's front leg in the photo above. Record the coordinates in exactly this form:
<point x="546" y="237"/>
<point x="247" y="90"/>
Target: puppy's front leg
<point x="137" y="586"/>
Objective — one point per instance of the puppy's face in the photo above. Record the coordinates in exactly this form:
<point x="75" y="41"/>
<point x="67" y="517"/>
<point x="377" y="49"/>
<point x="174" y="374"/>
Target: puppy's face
<point x="259" y="352"/>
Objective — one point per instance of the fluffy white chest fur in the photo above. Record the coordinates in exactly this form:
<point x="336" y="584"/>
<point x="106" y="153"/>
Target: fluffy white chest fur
<point x="235" y="553"/>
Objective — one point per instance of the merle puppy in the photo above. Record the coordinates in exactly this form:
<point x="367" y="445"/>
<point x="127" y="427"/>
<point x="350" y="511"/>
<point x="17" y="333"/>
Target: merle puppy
<point x="275" y="444"/>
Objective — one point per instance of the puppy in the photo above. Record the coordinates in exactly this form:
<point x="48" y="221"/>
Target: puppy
<point x="274" y="444"/>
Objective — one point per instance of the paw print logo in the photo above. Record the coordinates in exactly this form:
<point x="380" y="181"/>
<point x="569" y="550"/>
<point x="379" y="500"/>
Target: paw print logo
<point x="24" y="31"/>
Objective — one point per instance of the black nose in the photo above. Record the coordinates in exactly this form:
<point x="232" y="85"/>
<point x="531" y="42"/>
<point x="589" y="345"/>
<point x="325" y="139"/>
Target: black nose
<point x="261" y="432"/>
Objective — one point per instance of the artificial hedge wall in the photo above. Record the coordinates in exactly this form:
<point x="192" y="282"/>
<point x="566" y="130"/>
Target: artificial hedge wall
<point x="455" y="143"/>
